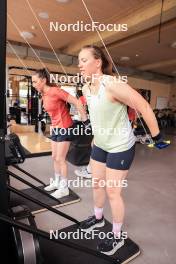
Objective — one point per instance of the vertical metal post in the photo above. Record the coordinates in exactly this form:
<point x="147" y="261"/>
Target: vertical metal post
<point x="7" y="89"/>
<point x="4" y="235"/>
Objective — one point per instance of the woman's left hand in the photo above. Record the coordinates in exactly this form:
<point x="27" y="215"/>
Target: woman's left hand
<point x="159" y="142"/>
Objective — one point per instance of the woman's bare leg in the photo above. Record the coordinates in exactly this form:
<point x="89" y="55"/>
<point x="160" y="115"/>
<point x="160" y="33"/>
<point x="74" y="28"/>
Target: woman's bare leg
<point x="114" y="180"/>
<point x="62" y="150"/>
<point x="98" y="176"/>
<point x="54" y="154"/>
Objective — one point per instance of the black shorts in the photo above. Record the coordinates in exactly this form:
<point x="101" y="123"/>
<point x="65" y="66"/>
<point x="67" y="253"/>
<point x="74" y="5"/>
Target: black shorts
<point x="62" y="134"/>
<point x="117" y="161"/>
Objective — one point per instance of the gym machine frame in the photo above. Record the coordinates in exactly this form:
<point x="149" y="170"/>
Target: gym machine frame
<point x="3" y="176"/>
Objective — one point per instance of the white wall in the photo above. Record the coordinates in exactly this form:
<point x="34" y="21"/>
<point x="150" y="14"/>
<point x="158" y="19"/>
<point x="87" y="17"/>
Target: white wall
<point x="157" y="88"/>
<point x="172" y="101"/>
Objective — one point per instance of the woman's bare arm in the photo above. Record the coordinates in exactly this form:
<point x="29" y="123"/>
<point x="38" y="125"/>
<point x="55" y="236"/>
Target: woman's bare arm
<point x="127" y="95"/>
<point x="72" y="100"/>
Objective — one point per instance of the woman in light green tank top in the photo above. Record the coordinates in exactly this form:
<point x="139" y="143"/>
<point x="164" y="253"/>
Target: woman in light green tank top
<point x="113" y="149"/>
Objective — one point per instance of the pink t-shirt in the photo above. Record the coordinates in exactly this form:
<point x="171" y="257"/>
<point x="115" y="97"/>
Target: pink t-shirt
<point x="83" y="100"/>
<point x="54" y="102"/>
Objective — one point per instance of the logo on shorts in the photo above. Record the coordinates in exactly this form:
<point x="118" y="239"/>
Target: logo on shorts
<point x="122" y="162"/>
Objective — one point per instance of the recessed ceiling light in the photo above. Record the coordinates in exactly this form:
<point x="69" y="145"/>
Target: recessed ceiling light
<point x="173" y="45"/>
<point x="63" y="1"/>
<point x="137" y="55"/>
<point x="124" y="58"/>
<point x="43" y="15"/>
<point x="26" y="34"/>
<point x="33" y="27"/>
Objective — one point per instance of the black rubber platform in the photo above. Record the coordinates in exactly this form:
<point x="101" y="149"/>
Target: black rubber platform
<point x="55" y="253"/>
<point x="34" y="208"/>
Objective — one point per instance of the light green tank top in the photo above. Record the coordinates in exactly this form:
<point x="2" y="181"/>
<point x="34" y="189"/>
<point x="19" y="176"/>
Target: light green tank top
<point x="111" y="127"/>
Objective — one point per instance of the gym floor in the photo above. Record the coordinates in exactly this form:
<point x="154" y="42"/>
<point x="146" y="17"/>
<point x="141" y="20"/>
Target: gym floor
<point x="150" y="200"/>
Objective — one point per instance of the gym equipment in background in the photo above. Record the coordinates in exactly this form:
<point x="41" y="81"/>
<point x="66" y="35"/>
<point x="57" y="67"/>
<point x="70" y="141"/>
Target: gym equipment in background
<point x="80" y="147"/>
<point x="26" y="245"/>
<point x="14" y="150"/>
<point x="15" y="154"/>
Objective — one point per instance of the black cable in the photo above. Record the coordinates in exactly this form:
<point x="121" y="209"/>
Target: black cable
<point x="28" y="174"/>
<point x="32" y="186"/>
<point x="161" y="14"/>
<point x="43" y="192"/>
<point x="20" y="193"/>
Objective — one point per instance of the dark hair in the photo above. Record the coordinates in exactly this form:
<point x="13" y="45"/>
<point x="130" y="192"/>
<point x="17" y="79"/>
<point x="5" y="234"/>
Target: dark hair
<point x="44" y="74"/>
<point x="79" y="93"/>
<point x="99" y="54"/>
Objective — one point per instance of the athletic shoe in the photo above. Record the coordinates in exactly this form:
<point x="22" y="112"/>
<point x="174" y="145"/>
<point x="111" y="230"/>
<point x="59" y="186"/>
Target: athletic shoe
<point x="52" y="186"/>
<point x="83" y="172"/>
<point x="60" y="193"/>
<point x="109" y="246"/>
<point x="89" y="224"/>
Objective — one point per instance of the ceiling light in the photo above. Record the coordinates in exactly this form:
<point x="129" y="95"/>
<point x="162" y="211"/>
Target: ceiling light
<point x="62" y="1"/>
<point x="43" y="15"/>
<point x="137" y="55"/>
<point x="33" y="27"/>
<point x="173" y="45"/>
<point x="26" y="34"/>
<point x="124" y="58"/>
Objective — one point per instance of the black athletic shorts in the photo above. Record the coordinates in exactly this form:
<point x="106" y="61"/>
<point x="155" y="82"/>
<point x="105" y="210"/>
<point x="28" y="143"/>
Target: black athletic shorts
<point x="62" y="134"/>
<point x="117" y="161"/>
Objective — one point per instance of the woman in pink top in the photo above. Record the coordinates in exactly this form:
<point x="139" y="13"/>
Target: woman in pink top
<point x="55" y="103"/>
